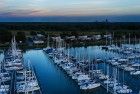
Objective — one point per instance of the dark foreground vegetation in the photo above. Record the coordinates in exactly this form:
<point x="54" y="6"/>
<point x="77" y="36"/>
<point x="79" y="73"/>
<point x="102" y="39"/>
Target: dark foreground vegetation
<point x="67" y="29"/>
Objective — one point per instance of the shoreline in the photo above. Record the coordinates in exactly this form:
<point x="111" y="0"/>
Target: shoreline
<point x="72" y="44"/>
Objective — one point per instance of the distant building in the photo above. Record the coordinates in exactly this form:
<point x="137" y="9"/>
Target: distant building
<point x="70" y="37"/>
<point x="58" y="38"/>
<point x="38" y="41"/>
<point x="40" y="35"/>
<point x="83" y="37"/>
<point x="108" y="36"/>
<point x="96" y="37"/>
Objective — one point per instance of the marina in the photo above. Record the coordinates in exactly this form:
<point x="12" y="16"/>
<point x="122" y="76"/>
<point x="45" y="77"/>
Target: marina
<point x="70" y="47"/>
<point x="86" y="73"/>
<point x="83" y="70"/>
<point x="16" y="78"/>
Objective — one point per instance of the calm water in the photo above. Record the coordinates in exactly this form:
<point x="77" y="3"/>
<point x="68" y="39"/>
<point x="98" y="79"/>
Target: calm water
<point x="54" y="81"/>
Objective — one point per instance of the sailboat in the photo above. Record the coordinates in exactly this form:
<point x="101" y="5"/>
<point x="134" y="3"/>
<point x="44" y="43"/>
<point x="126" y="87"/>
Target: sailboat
<point x="13" y="58"/>
<point x="137" y="71"/>
<point x="122" y="88"/>
<point x="4" y="77"/>
<point x="26" y="81"/>
<point x="13" y="72"/>
<point x="48" y="49"/>
<point x="4" y="89"/>
<point x="64" y="60"/>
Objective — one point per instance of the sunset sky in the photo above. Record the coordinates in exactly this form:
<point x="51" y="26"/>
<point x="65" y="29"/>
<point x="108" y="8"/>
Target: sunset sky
<point x="69" y="10"/>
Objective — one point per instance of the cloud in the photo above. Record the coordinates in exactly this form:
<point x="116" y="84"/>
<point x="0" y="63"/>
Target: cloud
<point x="45" y="8"/>
<point x="23" y="13"/>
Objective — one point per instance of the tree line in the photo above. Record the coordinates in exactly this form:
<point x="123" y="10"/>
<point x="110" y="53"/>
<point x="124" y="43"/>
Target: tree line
<point x="6" y="36"/>
<point x="68" y="29"/>
<point x="62" y="26"/>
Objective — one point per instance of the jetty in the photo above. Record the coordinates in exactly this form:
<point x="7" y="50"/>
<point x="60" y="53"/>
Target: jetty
<point x="83" y="72"/>
<point x="17" y="78"/>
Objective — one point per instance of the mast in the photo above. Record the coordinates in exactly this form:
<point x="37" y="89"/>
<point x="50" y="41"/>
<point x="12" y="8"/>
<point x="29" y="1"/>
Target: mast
<point x="112" y="38"/>
<point x="48" y="41"/>
<point x="107" y="77"/>
<point x="0" y="80"/>
<point x="68" y="53"/>
<point x="135" y="39"/>
<point x="13" y="47"/>
<point x="106" y="39"/>
<point x="25" y="83"/>
<point x="124" y="39"/>
<point x="115" y="81"/>
<point x="129" y="38"/>
<point x="32" y="75"/>
<point x="89" y="63"/>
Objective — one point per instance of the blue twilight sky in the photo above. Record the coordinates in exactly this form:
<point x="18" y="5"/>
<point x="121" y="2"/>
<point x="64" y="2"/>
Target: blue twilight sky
<point x="69" y="10"/>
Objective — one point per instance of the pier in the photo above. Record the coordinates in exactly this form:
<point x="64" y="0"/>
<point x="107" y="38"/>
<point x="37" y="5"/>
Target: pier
<point x="66" y="62"/>
<point x="13" y="88"/>
<point x="22" y="78"/>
